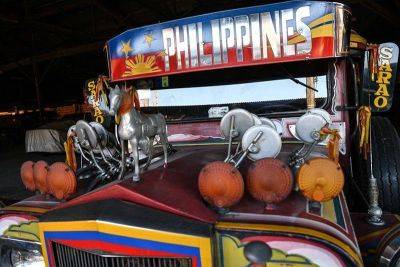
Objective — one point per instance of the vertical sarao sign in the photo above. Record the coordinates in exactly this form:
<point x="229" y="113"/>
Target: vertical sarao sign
<point x="378" y="88"/>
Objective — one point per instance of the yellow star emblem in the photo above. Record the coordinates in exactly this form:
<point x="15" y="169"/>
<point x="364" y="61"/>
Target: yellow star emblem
<point x="126" y="48"/>
<point x="148" y="38"/>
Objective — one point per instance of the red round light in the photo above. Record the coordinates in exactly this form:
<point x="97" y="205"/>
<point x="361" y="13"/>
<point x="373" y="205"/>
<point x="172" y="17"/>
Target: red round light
<point x="221" y="184"/>
<point x="269" y="180"/>
<point x="39" y="174"/>
<point x="27" y="175"/>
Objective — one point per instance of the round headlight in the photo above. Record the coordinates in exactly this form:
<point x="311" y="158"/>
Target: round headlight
<point x="24" y="258"/>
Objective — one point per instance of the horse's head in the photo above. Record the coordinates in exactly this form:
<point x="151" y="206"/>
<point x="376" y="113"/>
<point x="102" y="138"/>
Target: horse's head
<point x="115" y="97"/>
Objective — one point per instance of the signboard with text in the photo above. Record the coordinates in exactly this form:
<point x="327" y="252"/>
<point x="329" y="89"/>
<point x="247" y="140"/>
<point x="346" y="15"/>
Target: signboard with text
<point x="282" y="32"/>
<point x="98" y="101"/>
<point x="378" y="88"/>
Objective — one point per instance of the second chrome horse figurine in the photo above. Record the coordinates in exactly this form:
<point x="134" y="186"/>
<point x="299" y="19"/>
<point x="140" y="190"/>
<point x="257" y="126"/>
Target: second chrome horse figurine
<point x="137" y="128"/>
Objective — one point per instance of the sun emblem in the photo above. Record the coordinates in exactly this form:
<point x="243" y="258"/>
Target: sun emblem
<point x="140" y="65"/>
<point x="162" y="53"/>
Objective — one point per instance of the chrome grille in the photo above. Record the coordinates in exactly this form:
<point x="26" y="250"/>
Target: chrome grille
<point x="66" y="256"/>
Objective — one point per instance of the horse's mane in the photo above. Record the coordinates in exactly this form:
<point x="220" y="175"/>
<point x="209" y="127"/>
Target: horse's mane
<point x="129" y="99"/>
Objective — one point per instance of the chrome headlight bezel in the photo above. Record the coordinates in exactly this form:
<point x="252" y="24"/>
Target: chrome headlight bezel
<point x="8" y="246"/>
<point x="25" y="258"/>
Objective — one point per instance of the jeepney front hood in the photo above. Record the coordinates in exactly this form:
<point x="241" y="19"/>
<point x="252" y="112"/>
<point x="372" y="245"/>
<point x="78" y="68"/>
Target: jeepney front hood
<point x="175" y="190"/>
<point x="165" y="215"/>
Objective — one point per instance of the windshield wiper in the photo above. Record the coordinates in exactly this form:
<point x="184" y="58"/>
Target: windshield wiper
<point x="293" y="79"/>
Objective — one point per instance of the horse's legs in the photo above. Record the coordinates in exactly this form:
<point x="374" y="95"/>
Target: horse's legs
<point x="164" y="142"/>
<point x="135" y="152"/>
<point x="162" y="133"/>
<point x="150" y="153"/>
<point x="123" y="160"/>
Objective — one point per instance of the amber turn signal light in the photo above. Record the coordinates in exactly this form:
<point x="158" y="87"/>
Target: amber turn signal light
<point x="320" y="179"/>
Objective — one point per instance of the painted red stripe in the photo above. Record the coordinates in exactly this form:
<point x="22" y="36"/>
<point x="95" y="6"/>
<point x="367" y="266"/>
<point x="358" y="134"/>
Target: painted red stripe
<point x="120" y="250"/>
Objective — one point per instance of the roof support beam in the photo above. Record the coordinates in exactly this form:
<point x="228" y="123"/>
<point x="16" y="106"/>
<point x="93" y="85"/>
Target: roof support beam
<point x="380" y="10"/>
<point x="34" y="62"/>
<point x="117" y="17"/>
<point x="52" y="55"/>
<point x="8" y="18"/>
<point x="160" y="13"/>
<point x="57" y="7"/>
<point x="54" y="28"/>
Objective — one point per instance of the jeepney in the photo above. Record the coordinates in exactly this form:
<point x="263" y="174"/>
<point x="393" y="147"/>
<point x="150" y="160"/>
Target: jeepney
<point x="271" y="71"/>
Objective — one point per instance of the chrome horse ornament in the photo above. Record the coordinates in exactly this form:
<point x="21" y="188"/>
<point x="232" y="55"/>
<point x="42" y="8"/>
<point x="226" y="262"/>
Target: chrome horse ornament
<point x="137" y="128"/>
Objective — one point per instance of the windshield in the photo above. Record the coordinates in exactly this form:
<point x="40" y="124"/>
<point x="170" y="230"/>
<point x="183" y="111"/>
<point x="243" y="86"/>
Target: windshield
<point x="284" y="89"/>
<point x="260" y="94"/>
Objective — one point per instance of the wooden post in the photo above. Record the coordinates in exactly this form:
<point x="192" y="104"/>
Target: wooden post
<point x="310" y="94"/>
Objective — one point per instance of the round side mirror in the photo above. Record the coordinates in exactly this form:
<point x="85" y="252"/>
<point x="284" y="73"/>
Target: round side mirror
<point x="257" y="252"/>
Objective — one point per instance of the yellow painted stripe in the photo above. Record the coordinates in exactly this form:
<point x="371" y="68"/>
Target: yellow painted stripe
<point x="173" y="238"/>
<point x="23" y="208"/>
<point x="324" y="19"/>
<point x="322" y="31"/>
<point x="43" y="244"/>
<point x="297" y="39"/>
<point x="357" y="38"/>
<point x="295" y="230"/>
<point x="203" y="243"/>
<point x="328" y="211"/>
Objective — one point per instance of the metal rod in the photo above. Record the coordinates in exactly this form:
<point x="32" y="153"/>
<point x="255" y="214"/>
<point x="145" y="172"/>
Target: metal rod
<point x="123" y="161"/>
<point x="374" y="211"/>
<point x="82" y="153"/>
<point x="95" y="162"/>
<point x="111" y="155"/>
<point x="237" y="152"/>
<point x="112" y="167"/>
<point x="232" y="122"/>
<point x="247" y="150"/>
<point x="116" y="134"/>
